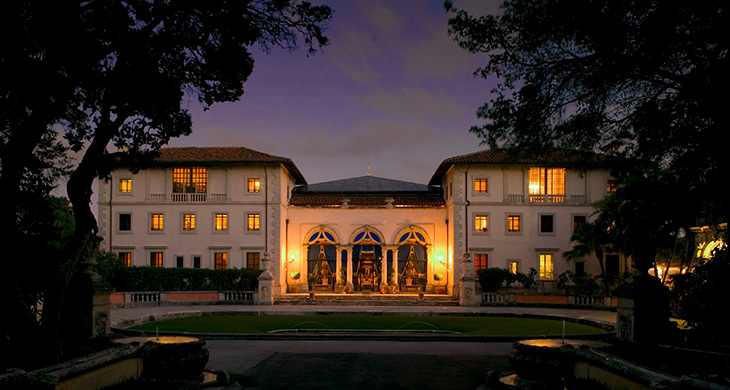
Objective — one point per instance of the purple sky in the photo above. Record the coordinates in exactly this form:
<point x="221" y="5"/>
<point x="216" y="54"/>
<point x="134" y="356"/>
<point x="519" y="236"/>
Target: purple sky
<point x="392" y="90"/>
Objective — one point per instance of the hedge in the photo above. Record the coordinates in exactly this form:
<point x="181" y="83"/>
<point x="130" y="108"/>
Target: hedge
<point x="183" y="279"/>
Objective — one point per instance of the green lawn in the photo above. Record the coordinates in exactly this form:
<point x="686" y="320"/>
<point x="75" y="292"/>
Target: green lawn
<point x="464" y="325"/>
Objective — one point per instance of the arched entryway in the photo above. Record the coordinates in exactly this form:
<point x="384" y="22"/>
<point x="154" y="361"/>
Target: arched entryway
<point x="322" y="259"/>
<point x="412" y="255"/>
<point x="367" y="252"/>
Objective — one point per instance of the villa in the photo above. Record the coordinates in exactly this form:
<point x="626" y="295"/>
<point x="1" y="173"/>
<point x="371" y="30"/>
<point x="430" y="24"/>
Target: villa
<point x="233" y="207"/>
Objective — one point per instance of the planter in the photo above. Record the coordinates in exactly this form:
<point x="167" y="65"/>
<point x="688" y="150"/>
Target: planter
<point x="392" y="289"/>
<point x="341" y="288"/>
<point x="383" y="290"/>
<point x="420" y="296"/>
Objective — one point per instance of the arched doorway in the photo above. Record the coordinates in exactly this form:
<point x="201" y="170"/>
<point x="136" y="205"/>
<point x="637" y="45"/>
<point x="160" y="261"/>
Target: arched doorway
<point x="412" y="258"/>
<point x="367" y="252"/>
<point x="322" y="259"/>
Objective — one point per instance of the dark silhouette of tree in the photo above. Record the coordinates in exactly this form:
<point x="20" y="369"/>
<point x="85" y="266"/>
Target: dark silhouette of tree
<point x="591" y="238"/>
<point x="640" y="79"/>
<point x="115" y="73"/>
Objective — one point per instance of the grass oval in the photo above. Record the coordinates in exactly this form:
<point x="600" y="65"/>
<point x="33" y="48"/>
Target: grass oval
<point x="490" y="326"/>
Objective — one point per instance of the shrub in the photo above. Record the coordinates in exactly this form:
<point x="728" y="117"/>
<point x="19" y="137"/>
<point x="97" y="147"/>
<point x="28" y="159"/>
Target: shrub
<point x="701" y="297"/>
<point x="183" y="279"/>
<point x="579" y="284"/>
<point x="492" y="279"/>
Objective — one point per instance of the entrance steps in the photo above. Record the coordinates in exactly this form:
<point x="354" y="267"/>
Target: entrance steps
<point x="365" y="299"/>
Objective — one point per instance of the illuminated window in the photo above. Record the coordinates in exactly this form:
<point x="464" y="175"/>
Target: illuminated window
<point x="188" y="224"/>
<point x="125" y="186"/>
<point x="221" y="260"/>
<point x="220" y="222"/>
<point x="514" y="266"/>
<point x="547" y="223"/>
<point x="481" y="223"/>
<point x="157" y="222"/>
<point x="580" y="267"/>
<point x="252" y="260"/>
<point x="546" y="181"/>
<point x="546" y="266"/>
<point x="125" y="222"/>
<point x="481" y="185"/>
<point x="514" y="223"/>
<point x="254" y="185"/>
<point x="190" y="180"/>
<point x="480" y="262"/>
<point x="156" y="259"/>
<point x="253" y="222"/>
<point x="126" y="258"/>
<point x="611" y="186"/>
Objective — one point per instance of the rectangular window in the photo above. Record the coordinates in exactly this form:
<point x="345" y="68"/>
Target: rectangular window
<point x="546" y="266"/>
<point x="221" y="260"/>
<point x="125" y="186"/>
<point x="611" y="186"/>
<point x="188" y="224"/>
<point x="125" y="222"/>
<point x="253" y="222"/>
<point x="578" y="221"/>
<point x="156" y="259"/>
<point x="196" y="261"/>
<point x="580" y="267"/>
<point x="221" y="222"/>
<point x="254" y="185"/>
<point x="514" y="223"/>
<point x="480" y="262"/>
<point x="157" y="222"/>
<point x="189" y="180"/>
<point x="547" y="223"/>
<point x="481" y="185"/>
<point x="481" y="223"/>
<point x="514" y="266"/>
<point x="252" y="260"/>
<point x="126" y="258"/>
<point x="547" y="181"/>
<point x="179" y="261"/>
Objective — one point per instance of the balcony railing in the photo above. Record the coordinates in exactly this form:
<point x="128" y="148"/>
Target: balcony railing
<point x="193" y="198"/>
<point x="547" y="198"/>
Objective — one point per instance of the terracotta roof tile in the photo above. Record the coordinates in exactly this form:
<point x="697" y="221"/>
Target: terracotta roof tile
<point x="547" y="157"/>
<point x="225" y="156"/>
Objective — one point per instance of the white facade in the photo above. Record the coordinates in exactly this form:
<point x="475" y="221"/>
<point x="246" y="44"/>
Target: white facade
<point x="485" y="208"/>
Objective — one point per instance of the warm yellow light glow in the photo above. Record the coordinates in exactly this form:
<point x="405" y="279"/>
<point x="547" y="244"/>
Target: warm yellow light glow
<point x="221" y="222"/>
<point x="188" y="222"/>
<point x="125" y="185"/>
<point x="254" y="221"/>
<point x="481" y="223"/>
<point x="254" y="185"/>
<point x="292" y="257"/>
<point x="156" y="222"/>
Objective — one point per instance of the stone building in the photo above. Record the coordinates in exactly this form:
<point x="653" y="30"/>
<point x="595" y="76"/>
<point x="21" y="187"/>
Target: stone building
<point x="224" y="207"/>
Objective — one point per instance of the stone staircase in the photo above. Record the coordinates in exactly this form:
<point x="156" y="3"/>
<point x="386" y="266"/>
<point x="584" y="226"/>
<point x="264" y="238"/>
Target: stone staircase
<point x="365" y="299"/>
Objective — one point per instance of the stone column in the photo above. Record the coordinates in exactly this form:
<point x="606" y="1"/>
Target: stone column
<point x="349" y="267"/>
<point x="266" y="282"/>
<point x="429" y="268"/>
<point x="395" y="265"/>
<point x="384" y="267"/>
<point x="467" y="283"/>
<point x="338" y="263"/>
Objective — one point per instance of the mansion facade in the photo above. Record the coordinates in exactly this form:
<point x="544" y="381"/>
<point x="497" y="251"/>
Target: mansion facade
<point x="233" y="207"/>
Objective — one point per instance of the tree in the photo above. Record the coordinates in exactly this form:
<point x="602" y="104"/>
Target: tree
<point x="591" y="237"/>
<point x="119" y="73"/>
<point x="640" y="79"/>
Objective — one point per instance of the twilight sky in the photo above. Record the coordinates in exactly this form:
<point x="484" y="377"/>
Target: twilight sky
<point x="392" y="90"/>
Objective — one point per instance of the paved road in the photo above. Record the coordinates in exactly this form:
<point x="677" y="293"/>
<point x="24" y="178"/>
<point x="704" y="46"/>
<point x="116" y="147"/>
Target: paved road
<point x="261" y="364"/>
